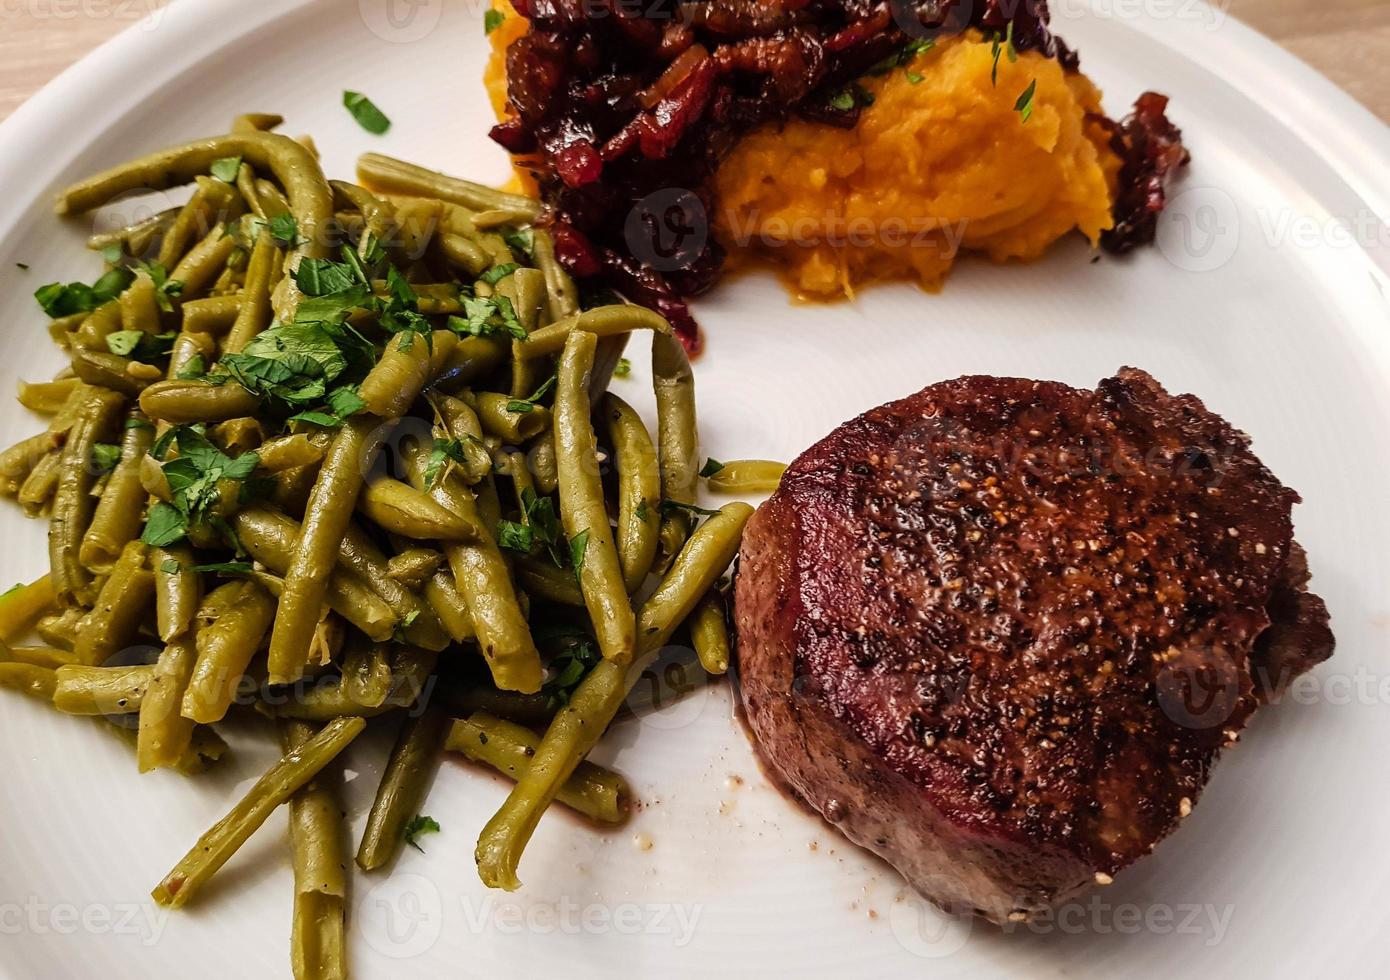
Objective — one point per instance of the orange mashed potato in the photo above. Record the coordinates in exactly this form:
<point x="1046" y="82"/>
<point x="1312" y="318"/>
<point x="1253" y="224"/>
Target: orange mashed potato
<point x="934" y="169"/>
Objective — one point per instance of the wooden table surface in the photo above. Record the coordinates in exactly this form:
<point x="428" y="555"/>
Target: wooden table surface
<point x="1348" y="40"/>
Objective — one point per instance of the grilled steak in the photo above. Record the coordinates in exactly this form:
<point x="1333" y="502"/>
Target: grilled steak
<point x="999" y="631"/>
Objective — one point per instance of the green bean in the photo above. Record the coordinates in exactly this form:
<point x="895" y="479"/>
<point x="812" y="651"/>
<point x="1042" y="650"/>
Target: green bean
<point x="188" y="348"/>
<point x="582" y="509"/>
<point x="83" y="690"/>
<point x="39" y="486"/>
<point x="541" y="578"/>
<point x="60" y="629"/>
<point x="165" y="734"/>
<point x="748" y="476"/>
<point x="21" y="607"/>
<point x="326" y="519"/>
<point x="410" y="677"/>
<point x="137" y="237"/>
<point x="208" y="207"/>
<point x="360" y="555"/>
<point x="606" y="358"/>
<point x="310" y="197"/>
<point x="578" y="726"/>
<point x="524" y="709"/>
<point x="639" y="490"/>
<point x="525" y="290"/>
<point x="464" y="253"/>
<point x="320" y="885"/>
<point x="288" y="452"/>
<point x="124" y="599"/>
<point x="510" y="426"/>
<point x="543" y="463"/>
<point x="367" y="674"/>
<point x="71" y="410"/>
<point x="272" y="200"/>
<point x="293" y="771"/>
<point x="461" y="423"/>
<point x="678" y="439"/>
<point x="17" y="462"/>
<point x="413" y="567"/>
<point x="256" y="122"/>
<point x="484" y="579"/>
<point x="213" y="315"/>
<point x="97" y="326"/>
<point x="72" y="501"/>
<point x="597" y="793"/>
<point x="398" y="177"/>
<point x="246" y="187"/>
<point x="47" y="397"/>
<point x="408" y="364"/>
<point x="602" y="321"/>
<point x="403" y="786"/>
<point x="270" y="538"/>
<point x="376" y="214"/>
<point x="562" y="294"/>
<point x="315" y="823"/>
<point x="403" y="510"/>
<point x="441" y="592"/>
<point x="106" y="370"/>
<point x="204" y="261"/>
<point x="709" y="634"/>
<point x="186" y="402"/>
<point x="117" y="519"/>
<point x="225" y="649"/>
<point x="139" y="304"/>
<point x="49" y="657"/>
<point x="255" y="314"/>
<point x="37" y="682"/>
<point x="204" y="748"/>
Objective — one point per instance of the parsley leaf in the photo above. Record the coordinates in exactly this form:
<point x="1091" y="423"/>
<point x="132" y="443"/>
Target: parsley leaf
<point x="623" y="368"/>
<point x="522" y="406"/>
<point x="499" y="272"/>
<point x="105" y="456"/>
<point x="673" y="507"/>
<point x="711" y="467"/>
<point x="487" y="317"/>
<point x="642" y="511"/>
<point x="342" y="402"/>
<point x="915" y="79"/>
<point x="284" y="229"/>
<point x="226" y="169"/>
<point x="164" y="526"/>
<point x="1024" y="105"/>
<point x="492" y="20"/>
<point x="194" y="369"/>
<point x="842" y="100"/>
<point x="540" y="516"/>
<point x="140" y="346"/>
<point x="470" y="454"/>
<point x="59" y="300"/>
<point x="579" y="549"/>
<point x="171" y="566"/>
<point x="324" y="277"/>
<point x="568" y="668"/>
<point x="420" y="825"/>
<point x="515" y="537"/>
<point x="225" y="568"/>
<point x="521" y="240"/>
<point x="368" y="116"/>
<point x="293" y="363"/>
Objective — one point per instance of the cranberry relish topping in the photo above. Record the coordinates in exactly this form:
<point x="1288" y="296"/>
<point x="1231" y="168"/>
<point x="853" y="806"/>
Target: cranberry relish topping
<point x="623" y="109"/>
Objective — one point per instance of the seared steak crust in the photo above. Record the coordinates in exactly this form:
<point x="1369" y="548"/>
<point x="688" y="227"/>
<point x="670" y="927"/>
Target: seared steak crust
<point x="998" y="631"/>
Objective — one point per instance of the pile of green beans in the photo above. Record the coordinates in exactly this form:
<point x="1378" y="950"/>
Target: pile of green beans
<point x="406" y="559"/>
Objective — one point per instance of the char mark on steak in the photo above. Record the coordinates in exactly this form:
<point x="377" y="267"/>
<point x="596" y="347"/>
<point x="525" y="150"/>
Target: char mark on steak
<point x="999" y="631"/>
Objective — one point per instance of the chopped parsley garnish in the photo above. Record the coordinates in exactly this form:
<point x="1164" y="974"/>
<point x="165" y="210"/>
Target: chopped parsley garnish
<point x="105" y="456"/>
<point x="516" y="537"/>
<point x="226" y="169"/>
<point x="711" y="467"/>
<point x="521" y="240"/>
<point x="342" y="403"/>
<point x="284" y="230"/>
<point x="487" y="317"/>
<point x="492" y="20"/>
<point x="368" y="116"/>
<point x="470" y="454"/>
<point x="193" y="477"/>
<point x="539" y="514"/>
<point x="842" y="100"/>
<point x="140" y="346"/>
<point x="225" y="568"/>
<point x="623" y="368"/>
<point x="524" y="405"/>
<point x="499" y="272"/>
<point x="674" y="507"/>
<point x="579" y="549"/>
<point x="642" y="512"/>
<point x="1024" y="105"/>
<point x="171" y="566"/>
<point x="59" y="300"/>
<point x="420" y="825"/>
<point x="568" y="668"/>
<point x="908" y="52"/>
<point x="913" y="78"/>
<point x="193" y="369"/>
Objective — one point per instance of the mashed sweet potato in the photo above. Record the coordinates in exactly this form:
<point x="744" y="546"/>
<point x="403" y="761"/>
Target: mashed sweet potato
<point x="941" y="163"/>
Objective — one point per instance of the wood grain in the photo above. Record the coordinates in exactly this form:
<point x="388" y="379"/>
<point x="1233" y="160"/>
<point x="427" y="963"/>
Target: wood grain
<point x="1347" y="40"/>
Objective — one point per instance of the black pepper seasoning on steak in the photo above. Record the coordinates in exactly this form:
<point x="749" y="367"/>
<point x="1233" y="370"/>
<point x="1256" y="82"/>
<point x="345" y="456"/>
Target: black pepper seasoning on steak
<point x="618" y="104"/>
<point x="1008" y="625"/>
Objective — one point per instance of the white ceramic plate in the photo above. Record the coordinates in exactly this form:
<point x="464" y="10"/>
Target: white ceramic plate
<point x="1266" y="309"/>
